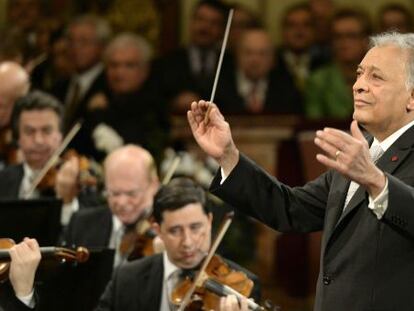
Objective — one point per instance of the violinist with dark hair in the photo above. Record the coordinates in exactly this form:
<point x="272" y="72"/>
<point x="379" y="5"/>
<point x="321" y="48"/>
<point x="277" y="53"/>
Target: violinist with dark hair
<point x="36" y="127"/>
<point x="183" y="222"/>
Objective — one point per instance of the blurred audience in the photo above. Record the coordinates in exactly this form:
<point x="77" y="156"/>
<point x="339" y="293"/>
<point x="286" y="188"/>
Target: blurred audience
<point x="129" y="110"/>
<point x="296" y="57"/>
<point x="14" y="84"/>
<point x="187" y="74"/>
<point x="254" y="87"/>
<point x="87" y="36"/>
<point x="329" y="91"/>
<point x="395" y="17"/>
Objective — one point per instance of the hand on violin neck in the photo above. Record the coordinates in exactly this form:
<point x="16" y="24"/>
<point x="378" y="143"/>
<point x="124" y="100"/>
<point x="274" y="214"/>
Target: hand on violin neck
<point x="67" y="180"/>
<point x="25" y="258"/>
<point x="232" y="303"/>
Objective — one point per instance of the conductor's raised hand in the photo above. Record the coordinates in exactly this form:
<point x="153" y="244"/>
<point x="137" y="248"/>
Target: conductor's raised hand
<point x="212" y="133"/>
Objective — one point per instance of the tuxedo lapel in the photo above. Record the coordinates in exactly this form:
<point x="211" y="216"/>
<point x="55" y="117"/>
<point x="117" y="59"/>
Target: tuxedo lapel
<point x="388" y="163"/>
<point x="153" y="288"/>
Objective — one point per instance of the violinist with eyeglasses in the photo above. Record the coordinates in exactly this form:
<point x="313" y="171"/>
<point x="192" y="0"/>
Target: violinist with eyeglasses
<point x="183" y="222"/>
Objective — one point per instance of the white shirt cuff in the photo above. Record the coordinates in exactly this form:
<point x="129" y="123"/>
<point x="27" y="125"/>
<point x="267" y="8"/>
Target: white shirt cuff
<point x="28" y="300"/>
<point x="67" y="210"/>
<point x="380" y="203"/>
<point x="223" y="176"/>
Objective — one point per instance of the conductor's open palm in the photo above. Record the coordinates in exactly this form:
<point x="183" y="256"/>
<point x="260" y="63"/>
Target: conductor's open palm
<point x="213" y="136"/>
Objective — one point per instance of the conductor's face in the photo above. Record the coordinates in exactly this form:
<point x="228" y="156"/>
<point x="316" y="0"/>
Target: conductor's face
<point x="186" y="233"/>
<point x="383" y="103"/>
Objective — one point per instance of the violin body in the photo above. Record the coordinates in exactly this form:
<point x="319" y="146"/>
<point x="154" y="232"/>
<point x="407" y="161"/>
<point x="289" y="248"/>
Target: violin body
<point x="204" y="299"/>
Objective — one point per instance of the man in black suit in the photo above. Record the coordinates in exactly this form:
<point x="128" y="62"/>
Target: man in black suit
<point x="183" y="222"/>
<point x="187" y="73"/>
<point x="254" y="85"/>
<point x="131" y="182"/>
<point x="87" y="36"/>
<point x="36" y="127"/>
<point x="363" y="204"/>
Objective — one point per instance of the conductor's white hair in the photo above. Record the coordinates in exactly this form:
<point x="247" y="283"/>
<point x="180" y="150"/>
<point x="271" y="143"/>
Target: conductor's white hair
<point x="402" y="41"/>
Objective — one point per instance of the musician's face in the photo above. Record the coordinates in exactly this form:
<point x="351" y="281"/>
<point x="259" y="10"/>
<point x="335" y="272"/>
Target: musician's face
<point x="39" y="136"/>
<point x="186" y="233"/>
<point x="129" y="188"/>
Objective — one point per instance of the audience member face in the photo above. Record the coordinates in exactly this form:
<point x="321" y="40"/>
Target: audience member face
<point x="85" y="48"/>
<point x="393" y="20"/>
<point x="39" y="136"/>
<point x="129" y="188"/>
<point x="186" y="233"/>
<point x="255" y="54"/>
<point x="381" y="98"/>
<point x="126" y="71"/>
<point x="298" y="31"/>
<point x="349" y="41"/>
<point x="206" y="26"/>
<point x="24" y="13"/>
<point x="242" y="19"/>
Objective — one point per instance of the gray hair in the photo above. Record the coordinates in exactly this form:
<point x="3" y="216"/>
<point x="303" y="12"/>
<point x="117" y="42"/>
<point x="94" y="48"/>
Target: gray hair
<point x="129" y="39"/>
<point x="102" y="27"/>
<point x="402" y="41"/>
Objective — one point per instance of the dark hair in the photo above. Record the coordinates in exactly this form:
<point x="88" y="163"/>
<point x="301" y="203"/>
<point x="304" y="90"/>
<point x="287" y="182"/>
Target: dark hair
<point x="359" y="15"/>
<point x="214" y="4"/>
<point x="177" y="194"/>
<point x="34" y="100"/>
<point x="301" y="6"/>
<point x="403" y="10"/>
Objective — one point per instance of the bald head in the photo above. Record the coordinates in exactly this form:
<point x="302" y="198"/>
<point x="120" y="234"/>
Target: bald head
<point x="131" y="181"/>
<point x="14" y="83"/>
<point x="255" y="54"/>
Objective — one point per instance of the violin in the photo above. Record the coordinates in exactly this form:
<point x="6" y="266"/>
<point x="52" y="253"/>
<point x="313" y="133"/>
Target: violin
<point x="218" y="280"/>
<point x="90" y="173"/>
<point x="80" y="255"/>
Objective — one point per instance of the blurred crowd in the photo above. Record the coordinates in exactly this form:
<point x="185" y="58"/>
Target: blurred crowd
<point x="124" y="89"/>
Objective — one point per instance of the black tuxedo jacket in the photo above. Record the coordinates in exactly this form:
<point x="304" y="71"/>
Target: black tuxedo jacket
<point x="137" y="285"/>
<point x="10" y="180"/>
<point x="366" y="263"/>
<point x="90" y="227"/>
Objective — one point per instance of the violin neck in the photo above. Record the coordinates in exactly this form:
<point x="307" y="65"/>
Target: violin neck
<point x="45" y="251"/>
<point x="224" y="290"/>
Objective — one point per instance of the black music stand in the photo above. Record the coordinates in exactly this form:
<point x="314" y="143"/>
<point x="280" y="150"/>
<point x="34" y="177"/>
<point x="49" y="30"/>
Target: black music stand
<point x="34" y="218"/>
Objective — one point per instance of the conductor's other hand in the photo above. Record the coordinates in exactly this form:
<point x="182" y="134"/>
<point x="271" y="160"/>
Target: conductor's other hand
<point x="212" y="133"/>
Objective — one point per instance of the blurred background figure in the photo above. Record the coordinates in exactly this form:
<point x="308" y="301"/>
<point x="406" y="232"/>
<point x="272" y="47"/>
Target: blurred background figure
<point x="296" y="57"/>
<point x="254" y="86"/>
<point x="187" y="73"/>
<point x="243" y="19"/>
<point x="14" y="83"/>
<point x="128" y="110"/>
<point x="329" y="90"/>
<point x="395" y="17"/>
<point x="87" y="37"/>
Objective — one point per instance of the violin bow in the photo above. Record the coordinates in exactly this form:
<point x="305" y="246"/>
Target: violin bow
<point x="223" y="49"/>
<point x="170" y="172"/>
<point x="228" y="218"/>
<point x="53" y="159"/>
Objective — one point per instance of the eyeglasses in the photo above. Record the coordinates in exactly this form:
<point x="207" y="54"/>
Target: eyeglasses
<point x="130" y="193"/>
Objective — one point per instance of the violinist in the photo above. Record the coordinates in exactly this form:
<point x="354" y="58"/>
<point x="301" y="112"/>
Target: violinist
<point x="14" y="83"/>
<point x="37" y="130"/>
<point x="183" y="222"/>
<point x="131" y="182"/>
<point x="18" y="294"/>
